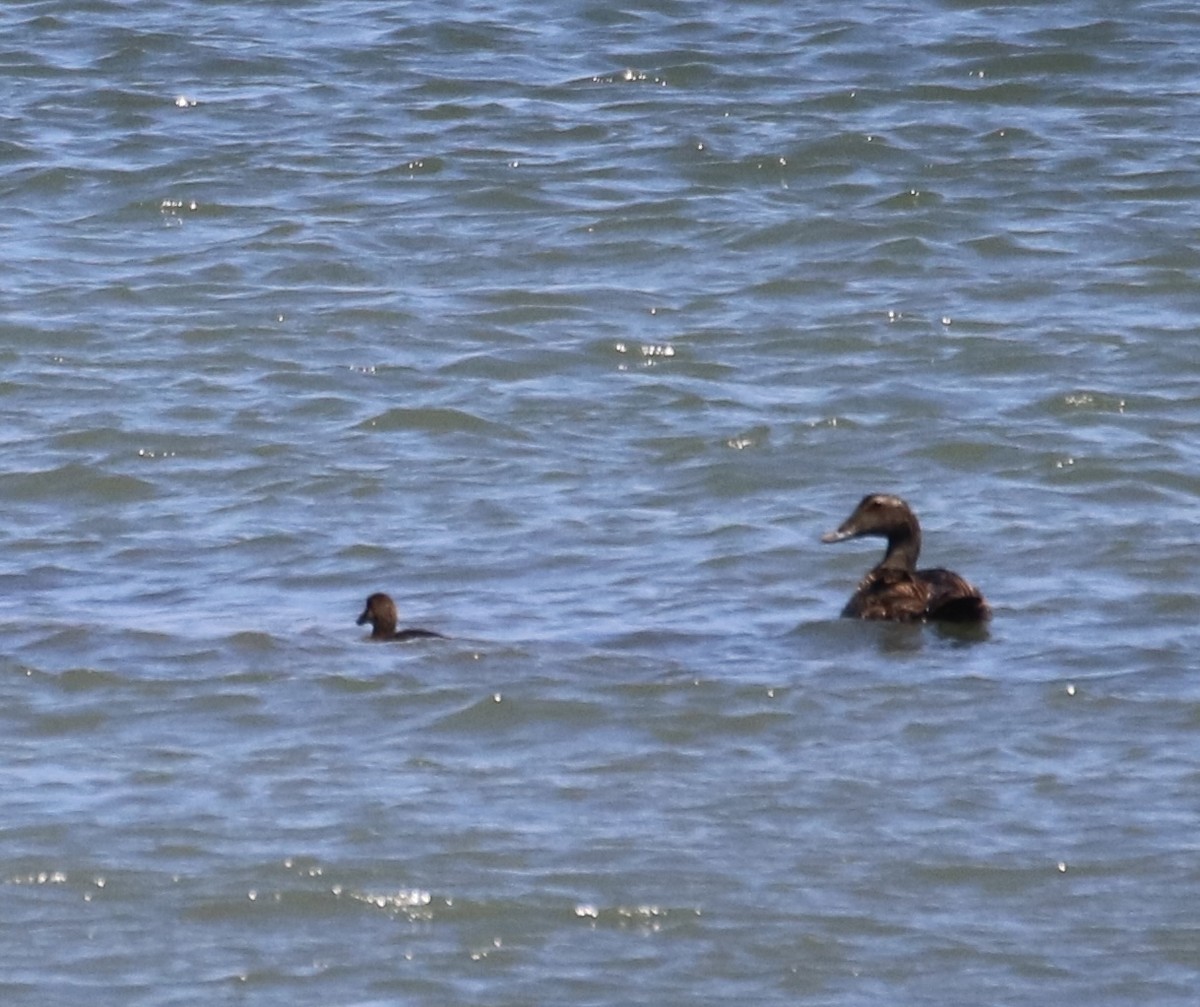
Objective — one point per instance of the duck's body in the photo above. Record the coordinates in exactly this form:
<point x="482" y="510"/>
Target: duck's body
<point x="895" y="589"/>
<point x="380" y="612"/>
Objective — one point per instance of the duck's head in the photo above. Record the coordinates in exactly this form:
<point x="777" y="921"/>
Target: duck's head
<point x="877" y="514"/>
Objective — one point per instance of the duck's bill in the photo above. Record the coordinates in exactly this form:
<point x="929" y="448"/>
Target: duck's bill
<point x="836" y="536"/>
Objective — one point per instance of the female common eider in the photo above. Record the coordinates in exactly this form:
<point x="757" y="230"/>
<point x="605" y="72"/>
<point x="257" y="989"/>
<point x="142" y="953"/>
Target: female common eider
<point x="380" y="612"/>
<point x="895" y="589"/>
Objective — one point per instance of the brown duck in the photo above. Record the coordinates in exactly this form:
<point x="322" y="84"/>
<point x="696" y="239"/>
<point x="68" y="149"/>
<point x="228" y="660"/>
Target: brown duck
<point x="380" y="612"/>
<point x="895" y="589"/>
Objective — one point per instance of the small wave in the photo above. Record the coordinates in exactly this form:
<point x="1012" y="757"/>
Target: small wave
<point x="76" y="481"/>
<point x="436" y="421"/>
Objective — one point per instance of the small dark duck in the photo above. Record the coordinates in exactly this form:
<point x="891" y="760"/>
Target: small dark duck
<point x="380" y="612"/>
<point x="895" y="589"/>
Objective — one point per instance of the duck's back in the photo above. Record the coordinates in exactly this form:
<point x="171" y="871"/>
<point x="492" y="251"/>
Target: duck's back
<point x="952" y="598"/>
<point x="901" y="596"/>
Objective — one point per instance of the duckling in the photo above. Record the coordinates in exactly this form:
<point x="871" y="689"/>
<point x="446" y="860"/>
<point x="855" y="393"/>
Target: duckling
<point x="380" y="612"/>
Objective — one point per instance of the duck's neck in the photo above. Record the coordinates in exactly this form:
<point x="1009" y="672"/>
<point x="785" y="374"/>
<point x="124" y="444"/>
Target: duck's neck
<point x="903" y="548"/>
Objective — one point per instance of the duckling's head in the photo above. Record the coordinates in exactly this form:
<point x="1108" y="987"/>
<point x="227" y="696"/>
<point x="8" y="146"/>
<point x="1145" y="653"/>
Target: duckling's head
<point x="380" y="612"/>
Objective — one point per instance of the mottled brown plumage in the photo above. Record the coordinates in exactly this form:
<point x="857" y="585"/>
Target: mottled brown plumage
<point x="895" y="589"/>
<point x="380" y="612"/>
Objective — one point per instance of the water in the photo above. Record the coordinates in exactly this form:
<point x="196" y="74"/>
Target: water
<point x="573" y="329"/>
